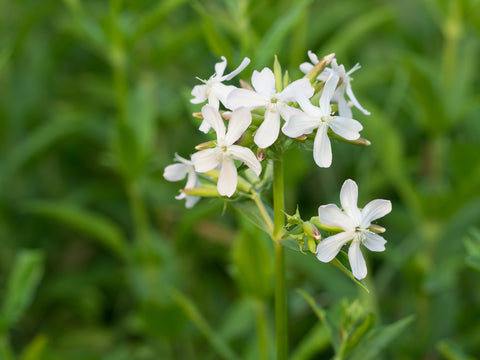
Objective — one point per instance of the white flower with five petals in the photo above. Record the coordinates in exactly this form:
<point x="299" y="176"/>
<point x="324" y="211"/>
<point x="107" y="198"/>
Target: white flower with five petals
<point x="275" y="104"/>
<point x="214" y="90"/>
<point x="345" y="86"/>
<point x="320" y="118"/>
<point x="176" y="172"/>
<point x="225" y="152"/>
<point x="355" y="224"/>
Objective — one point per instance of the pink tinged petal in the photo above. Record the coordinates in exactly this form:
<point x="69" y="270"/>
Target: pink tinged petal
<point x="199" y="92"/>
<point x="374" y="242"/>
<point x="331" y="215"/>
<point x="175" y="172"/>
<point x="237" y="71"/>
<point x="347" y="128"/>
<point x="300" y="124"/>
<point x="268" y="131"/>
<point x="205" y="160"/>
<point x="246" y="98"/>
<point x="374" y="210"/>
<point x="322" y="149"/>
<point x="246" y="156"/>
<point x="357" y="262"/>
<point x="327" y="94"/>
<point x="354" y="100"/>
<point x="298" y="89"/>
<point x="313" y="57"/>
<point x="227" y="179"/>
<point x="264" y="81"/>
<point x="348" y="199"/>
<point x="239" y="122"/>
<point x="220" y="67"/>
<point x="213" y="118"/>
<point x="306" y="67"/>
<point x="328" y="248"/>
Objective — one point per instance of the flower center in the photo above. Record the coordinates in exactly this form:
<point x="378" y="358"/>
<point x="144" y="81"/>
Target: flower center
<point x="327" y="119"/>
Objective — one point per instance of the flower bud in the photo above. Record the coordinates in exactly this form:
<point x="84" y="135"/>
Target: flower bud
<point x="312" y="245"/>
<point x="311" y="230"/>
<point x="318" y="68"/>
<point x="261" y="155"/>
<point x="377" y="229"/>
<point x="277" y="71"/>
<point x="314" y="220"/>
<point x="206" y="191"/>
<point x="206" y="145"/>
<point x="301" y="138"/>
<point x="198" y="115"/>
<point x="360" y="141"/>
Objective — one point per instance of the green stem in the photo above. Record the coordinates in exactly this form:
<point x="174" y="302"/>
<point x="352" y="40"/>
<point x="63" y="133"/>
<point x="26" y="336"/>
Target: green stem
<point x="261" y="319"/>
<point x="263" y="210"/>
<point x="280" y="278"/>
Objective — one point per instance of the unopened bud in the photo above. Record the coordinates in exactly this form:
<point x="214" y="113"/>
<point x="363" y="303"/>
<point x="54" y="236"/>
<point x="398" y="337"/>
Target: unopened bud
<point x="377" y="229"/>
<point x="318" y="68"/>
<point x="360" y="141"/>
<point x="243" y="185"/>
<point x="213" y="174"/>
<point x="301" y="137"/>
<point x="198" y="115"/>
<point x="206" y="191"/>
<point x="261" y="155"/>
<point x="206" y="145"/>
<point x="312" y="245"/>
<point x="314" y="220"/>
<point x="277" y="71"/>
<point x="311" y="230"/>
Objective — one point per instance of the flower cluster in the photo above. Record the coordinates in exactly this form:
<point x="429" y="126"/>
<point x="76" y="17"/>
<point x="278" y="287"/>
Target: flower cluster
<point x="271" y="114"/>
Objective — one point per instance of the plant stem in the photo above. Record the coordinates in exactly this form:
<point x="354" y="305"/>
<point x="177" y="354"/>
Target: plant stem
<point x="280" y="279"/>
<point x="261" y="207"/>
<point x="261" y="318"/>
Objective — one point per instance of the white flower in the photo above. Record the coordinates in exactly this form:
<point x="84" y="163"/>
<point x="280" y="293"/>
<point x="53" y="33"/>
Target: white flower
<point x="176" y="172"/>
<point x="345" y="86"/>
<point x="355" y="224"/>
<point x="275" y="104"/>
<point x="320" y="118"/>
<point x="214" y="90"/>
<point x="225" y="152"/>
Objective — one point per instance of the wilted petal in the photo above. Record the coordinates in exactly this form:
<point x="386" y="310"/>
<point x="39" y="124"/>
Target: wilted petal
<point x="327" y="94"/>
<point x="300" y="124"/>
<point x="213" y="118"/>
<point x="227" y="179"/>
<point x="348" y="199"/>
<point x="247" y="156"/>
<point x="268" y="131"/>
<point x="220" y="67"/>
<point x="200" y="94"/>
<point x="346" y="128"/>
<point x="246" y="98"/>
<point x="264" y="81"/>
<point x="322" y="149"/>
<point x="298" y="89"/>
<point x="175" y="172"/>
<point x="357" y="262"/>
<point x="331" y="215"/>
<point x="239" y="122"/>
<point x="205" y="160"/>
<point x="375" y="209"/>
<point x="374" y="242"/>
<point x="242" y="66"/>
<point x="354" y="100"/>
<point x="328" y="248"/>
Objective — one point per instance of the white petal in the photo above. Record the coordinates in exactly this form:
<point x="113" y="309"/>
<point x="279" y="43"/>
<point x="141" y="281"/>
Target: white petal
<point x="200" y="94"/>
<point x="354" y="100"/>
<point x="213" y="118"/>
<point x="298" y="89"/>
<point x="343" y="108"/>
<point x="286" y="112"/>
<point x="325" y="74"/>
<point x="220" y="92"/>
<point x="307" y="106"/>
<point x="268" y="131"/>
<point x="220" y="67"/>
<point x="192" y="179"/>
<point x="191" y="200"/>
<point x="328" y="248"/>
<point x="175" y="172"/>
<point x="374" y="242"/>
<point x="357" y="262"/>
<point x="327" y="94"/>
<point x="331" y="215"/>
<point x="306" y="67"/>
<point x="313" y="57"/>
<point x="348" y="199"/>
<point x="227" y="179"/>
<point x="242" y="66"/>
<point x="205" y="126"/>
<point x="205" y="160"/>
<point x="247" y="156"/>
<point x="264" y="81"/>
<point x="300" y="124"/>
<point x="213" y="101"/>
<point x="374" y="210"/>
<point x="322" y="150"/>
<point x="239" y="122"/>
<point x="345" y="127"/>
<point x="246" y="98"/>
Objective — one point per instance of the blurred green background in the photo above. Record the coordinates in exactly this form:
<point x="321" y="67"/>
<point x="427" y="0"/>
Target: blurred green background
<point x="99" y="261"/>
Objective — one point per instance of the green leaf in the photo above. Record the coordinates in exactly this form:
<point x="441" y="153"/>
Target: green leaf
<point x="357" y="335"/>
<point x="472" y="246"/>
<point x="341" y="262"/>
<point x="95" y="225"/>
<point x="21" y="286"/>
<point x="35" y="350"/>
<point x="250" y="211"/>
<point x="378" y="339"/>
<point x="452" y="351"/>
<point x="316" y="340"/>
